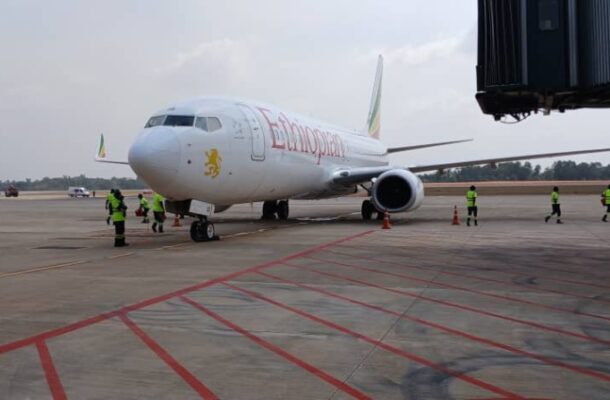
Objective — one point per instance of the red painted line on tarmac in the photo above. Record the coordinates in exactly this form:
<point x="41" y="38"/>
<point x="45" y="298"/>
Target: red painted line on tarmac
<point x="592" y="298"/>
<point x="465" y="289"/>
<point x="184" y="373"/>
<point x="279" y="351"/>
<point x="28" y="341"/>
<point x="444" y="328"/>
<point x="395" y="350"/>
<point x="454" y="305"/>
<point x="57" y="389"/>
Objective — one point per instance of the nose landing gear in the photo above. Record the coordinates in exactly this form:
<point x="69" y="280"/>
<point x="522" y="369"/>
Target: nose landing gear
<point x="203" y="230"/>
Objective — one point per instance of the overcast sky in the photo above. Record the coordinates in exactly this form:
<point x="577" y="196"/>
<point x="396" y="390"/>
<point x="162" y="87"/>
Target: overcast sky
<point x="73" y="69"/>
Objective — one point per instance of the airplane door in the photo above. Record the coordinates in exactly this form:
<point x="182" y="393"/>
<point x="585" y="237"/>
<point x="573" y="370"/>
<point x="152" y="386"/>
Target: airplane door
<point x="257" y="136"/>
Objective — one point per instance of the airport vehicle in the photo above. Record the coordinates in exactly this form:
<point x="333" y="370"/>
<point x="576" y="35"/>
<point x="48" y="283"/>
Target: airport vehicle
<point x="11" y="191"/>
<point x="206" y="154"/>
<point x="78" y="191"/>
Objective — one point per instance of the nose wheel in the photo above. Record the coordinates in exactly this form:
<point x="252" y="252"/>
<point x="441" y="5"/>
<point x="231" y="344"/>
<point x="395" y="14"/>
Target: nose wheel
<point x="202" y="231"/>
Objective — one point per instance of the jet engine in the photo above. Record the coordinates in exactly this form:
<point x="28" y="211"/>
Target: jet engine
<point x="397" y="190"/>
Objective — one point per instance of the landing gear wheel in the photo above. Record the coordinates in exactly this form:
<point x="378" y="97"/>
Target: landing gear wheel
<point x="367" y="210"/>
<point x="202" y="231"/>
<point x="380" y="215"/>
<point x="283" y="210"/>
<point x="269" y="209"/>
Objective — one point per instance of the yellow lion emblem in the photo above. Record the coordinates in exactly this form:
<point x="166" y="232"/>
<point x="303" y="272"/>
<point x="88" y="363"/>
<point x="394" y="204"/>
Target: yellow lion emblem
<point x="212" y="166"/>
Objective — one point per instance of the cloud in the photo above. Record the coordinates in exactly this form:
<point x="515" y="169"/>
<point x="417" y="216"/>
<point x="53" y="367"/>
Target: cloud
<point x="228" y="51"/>
<point x="417" y="55"/>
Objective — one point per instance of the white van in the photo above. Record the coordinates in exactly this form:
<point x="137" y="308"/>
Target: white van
<point x="77" y="191"/>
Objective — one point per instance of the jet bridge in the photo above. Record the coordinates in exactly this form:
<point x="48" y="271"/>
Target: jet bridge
<point x="542" y="55"/>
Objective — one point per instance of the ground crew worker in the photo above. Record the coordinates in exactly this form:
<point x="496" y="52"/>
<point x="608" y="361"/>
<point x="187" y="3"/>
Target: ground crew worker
<point x="606" y="196"/>
<point x="555" y="205"/>
<point x="119" y="213"/>
<point x="471" y="203"/>
<point x="144" y="208"/>
<point x="158" y="212"/>
<point x="107" y="206"/>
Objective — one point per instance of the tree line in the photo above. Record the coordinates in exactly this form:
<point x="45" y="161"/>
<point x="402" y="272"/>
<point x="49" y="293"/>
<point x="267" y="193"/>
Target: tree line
<point x="517" y="171"/>
<point x="66" y="181"/>
<point x="511" y="171"/>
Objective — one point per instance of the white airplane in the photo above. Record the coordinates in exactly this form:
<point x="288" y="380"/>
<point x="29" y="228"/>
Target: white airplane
<point x="207" y="154"/>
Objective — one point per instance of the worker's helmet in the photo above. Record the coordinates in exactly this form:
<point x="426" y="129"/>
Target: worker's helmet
<point x="608" y="186"/>
<point x="140" y="196"/>
<point x="556" y="189"/>
<point x="473" y="187"/>
<point x="112" y="190"/>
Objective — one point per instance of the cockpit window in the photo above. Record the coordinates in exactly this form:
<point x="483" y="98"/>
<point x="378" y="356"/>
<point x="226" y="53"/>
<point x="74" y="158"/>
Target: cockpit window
<point x="155" y="121"/>
<point x="214" y="124"/>
<point x="208" y="124"/>
<point x="179" y="120"/>
<point x="201" y="123"/>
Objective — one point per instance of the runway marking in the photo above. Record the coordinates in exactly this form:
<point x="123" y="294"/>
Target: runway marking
<point x="454" y="305"/>
<point x="120" y="256"/>
<point x="55" y="386"/>
<point x="479" y="278"/>
<point x="456" y="332"/>
<point x="184" y="373"/>
<point x="7" y="347"/>
<point x="377" y="343"/>
<point x="465" y="289"/>
<point x="175" y="246"/>
<point x="45" y="268"/>
<point x="279" y="351"/>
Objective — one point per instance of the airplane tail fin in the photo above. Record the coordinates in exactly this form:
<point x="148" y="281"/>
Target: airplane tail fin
<point x="373" y="123"/>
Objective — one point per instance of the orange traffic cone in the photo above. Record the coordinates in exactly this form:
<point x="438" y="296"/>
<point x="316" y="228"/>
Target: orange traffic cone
<point x="386" y="221"/>
<point x="456" y="218"/>
<point x="177" y="221"/>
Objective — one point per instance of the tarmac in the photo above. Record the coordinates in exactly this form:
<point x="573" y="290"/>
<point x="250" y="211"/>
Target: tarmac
<point x="323" y="306"/>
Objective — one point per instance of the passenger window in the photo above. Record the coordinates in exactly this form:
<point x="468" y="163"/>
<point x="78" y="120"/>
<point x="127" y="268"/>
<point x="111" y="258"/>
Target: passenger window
<point x="214" y="124"/>
<point x="155" y="121"/>
<point x="201" y="123"/>
<point x="548" y="15"/>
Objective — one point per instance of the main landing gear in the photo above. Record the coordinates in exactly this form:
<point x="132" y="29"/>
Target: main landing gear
<point x="271" y="208"/>
<point x="203" y="230"/>
<point x="368" y="209"/>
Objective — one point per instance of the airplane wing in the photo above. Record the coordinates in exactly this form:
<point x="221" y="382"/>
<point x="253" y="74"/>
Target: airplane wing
<point x="355" y="176"/>
<point x="437" y="167"/>
<point x="423" y="146"/>
<point x="100" y="156"/>
<point x="360" y="175"/>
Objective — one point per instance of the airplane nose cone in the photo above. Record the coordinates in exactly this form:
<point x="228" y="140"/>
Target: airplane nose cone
<point x="155" y="156"/>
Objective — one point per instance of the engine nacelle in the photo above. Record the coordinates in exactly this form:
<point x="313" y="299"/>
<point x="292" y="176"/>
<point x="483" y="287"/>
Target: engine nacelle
<point x="397" y="190"/>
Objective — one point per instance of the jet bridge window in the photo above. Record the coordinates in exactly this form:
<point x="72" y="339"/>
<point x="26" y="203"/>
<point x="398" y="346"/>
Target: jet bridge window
<point x="155" y="121"/>
<point x="179" y="120"/>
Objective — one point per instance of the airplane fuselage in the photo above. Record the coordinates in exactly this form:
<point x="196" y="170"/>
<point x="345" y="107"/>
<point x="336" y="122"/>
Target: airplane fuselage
<point x="247" y="152"/>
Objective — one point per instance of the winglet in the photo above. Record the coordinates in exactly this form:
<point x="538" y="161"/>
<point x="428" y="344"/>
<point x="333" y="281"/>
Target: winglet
<point x="101" y="150"/>
<point x="100" y="156"/>
<point x="373" y="123"/>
